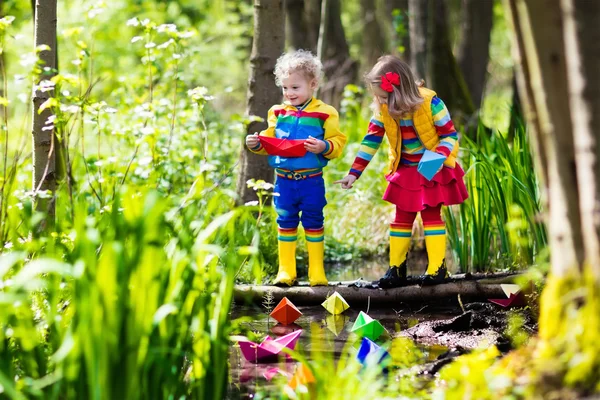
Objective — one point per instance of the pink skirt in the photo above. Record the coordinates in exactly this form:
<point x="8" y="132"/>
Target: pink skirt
<point x="411" y="192"/>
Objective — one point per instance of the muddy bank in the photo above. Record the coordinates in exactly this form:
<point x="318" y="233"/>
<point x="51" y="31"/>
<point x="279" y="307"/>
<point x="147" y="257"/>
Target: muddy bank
<point x="481" y="325"/>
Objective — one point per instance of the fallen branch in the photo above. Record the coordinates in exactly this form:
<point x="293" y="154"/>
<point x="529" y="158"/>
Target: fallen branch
<point x="480" y="287"/>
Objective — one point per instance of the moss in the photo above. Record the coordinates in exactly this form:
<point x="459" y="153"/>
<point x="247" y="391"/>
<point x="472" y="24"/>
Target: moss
<point x="563" y="362"/>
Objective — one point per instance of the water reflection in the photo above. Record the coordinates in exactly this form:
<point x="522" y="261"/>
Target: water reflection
<point x="323" y="335"/>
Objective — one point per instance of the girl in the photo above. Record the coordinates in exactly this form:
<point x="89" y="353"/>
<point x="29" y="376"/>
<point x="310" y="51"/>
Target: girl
<point x="299" y="188"/>
<point x="414" y="119"/>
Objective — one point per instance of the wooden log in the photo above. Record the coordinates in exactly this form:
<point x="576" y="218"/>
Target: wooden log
<point x="472" y="288"/>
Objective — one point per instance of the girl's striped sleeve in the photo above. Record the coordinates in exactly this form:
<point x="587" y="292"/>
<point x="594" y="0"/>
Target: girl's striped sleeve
<point x="444" y="127"/>
<point x="368" y="147"/>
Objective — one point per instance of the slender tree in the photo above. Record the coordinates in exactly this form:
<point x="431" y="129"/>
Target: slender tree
<point x="418" y="23"/>
<point x="267" y="46"/>
<point x="374" y="42"/>
<point x="44" y="141"/>
<point x="339" y="68"/>
<point x="400" y="38"/>
<point x="473" y="49"/>
<point x="432" y="57"/>
<point x="558" y="82"/>
<point x="302" y="33"/>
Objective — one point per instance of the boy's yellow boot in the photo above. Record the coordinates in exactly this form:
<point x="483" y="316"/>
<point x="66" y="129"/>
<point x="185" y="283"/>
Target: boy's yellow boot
<point x="435" y="242"/>
<point x="316" y="250"/>
<point x="400" y="236"/>
<point x="287" y="257"/>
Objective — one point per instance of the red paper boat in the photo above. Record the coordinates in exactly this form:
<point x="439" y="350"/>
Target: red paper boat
<point x="283" y="147"/>
<point x="269" y="349"/>
<point x="285" y="312"/>
<point x="514" y="294"/>
<point x="515" y="300"/>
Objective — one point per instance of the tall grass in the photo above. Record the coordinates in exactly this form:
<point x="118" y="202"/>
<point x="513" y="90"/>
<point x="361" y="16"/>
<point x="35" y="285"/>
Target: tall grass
<point x="128" y="297"/>
<point x="136" y="306"/>
<point x="499" y="226"/>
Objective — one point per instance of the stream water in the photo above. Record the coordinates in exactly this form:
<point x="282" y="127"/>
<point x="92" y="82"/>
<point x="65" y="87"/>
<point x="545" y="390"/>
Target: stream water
<point x="322" y="332"/>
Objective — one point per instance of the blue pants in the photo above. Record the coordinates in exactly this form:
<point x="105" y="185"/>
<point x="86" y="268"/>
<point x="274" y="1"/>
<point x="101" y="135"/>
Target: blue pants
<point x="306" y="196"/>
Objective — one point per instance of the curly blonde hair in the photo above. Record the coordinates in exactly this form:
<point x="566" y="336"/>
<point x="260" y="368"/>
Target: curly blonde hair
<point x="302" y="61"/>
<point x="405" y="97"/>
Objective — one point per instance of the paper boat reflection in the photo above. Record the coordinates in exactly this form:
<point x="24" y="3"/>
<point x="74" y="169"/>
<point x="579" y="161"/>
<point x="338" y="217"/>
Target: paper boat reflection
<point x="269" y="349"/>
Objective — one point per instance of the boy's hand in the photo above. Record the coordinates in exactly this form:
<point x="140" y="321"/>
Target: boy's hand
<point x="252" y="141"/>
<point x="314" y="145"/>
<point x="347" y="181"/>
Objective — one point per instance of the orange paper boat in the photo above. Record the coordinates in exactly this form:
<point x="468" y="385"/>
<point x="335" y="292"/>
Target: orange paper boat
<point x="283" y="147"/>
<point x="286" y="312"/>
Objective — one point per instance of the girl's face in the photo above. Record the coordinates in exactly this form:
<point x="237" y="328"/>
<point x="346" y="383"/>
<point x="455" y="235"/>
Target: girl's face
<point x="381" y="96"/>
<point x="297" y="89"/>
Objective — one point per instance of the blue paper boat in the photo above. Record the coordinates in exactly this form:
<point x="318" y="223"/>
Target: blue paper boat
<point x="371" y="353"/>
<point x="430" y="163"/>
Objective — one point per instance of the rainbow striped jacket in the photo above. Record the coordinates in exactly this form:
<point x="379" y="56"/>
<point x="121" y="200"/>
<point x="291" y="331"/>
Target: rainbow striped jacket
<point x="315" y="119"/>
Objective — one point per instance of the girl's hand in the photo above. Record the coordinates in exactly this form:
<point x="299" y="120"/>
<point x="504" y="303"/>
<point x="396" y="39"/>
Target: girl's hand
<point x="252" y="141"/>
<point x="314" y="145"/>
<point x="347" y="181"/>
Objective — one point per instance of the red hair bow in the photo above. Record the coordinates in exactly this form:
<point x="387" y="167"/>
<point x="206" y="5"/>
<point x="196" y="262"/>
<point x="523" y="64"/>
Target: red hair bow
<point x="389" y="79"/>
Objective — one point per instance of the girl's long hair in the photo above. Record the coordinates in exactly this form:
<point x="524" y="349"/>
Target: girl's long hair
<point x="405" y="97"/>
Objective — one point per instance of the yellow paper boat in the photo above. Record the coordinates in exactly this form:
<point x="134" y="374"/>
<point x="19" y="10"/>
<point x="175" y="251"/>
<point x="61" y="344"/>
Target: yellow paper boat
<point x="335" y="304"/>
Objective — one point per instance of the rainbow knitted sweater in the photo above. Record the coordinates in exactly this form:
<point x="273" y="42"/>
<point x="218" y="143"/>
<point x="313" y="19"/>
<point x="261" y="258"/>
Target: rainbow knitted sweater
<point x="412" y="146"/>
<point x="315" y="119"/>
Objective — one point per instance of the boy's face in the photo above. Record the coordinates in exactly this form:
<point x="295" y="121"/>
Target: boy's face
<point x="297" y="89"/>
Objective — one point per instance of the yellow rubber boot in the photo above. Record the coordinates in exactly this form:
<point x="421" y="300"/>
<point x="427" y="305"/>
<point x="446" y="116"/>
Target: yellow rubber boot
<point x="287" y="257"/>
<point x="316" y="250"/>
<point x="436" y="252"/>
<point x="399" y="243"/>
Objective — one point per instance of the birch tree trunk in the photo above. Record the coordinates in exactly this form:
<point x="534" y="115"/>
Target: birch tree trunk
<point x="559" y="87"/>
<point x="44" y="141"/>
<point x="582" y="43"/>
<point x="267" y="46"/>
<point x="542" y="80"/>
<point x="473" y="50"/>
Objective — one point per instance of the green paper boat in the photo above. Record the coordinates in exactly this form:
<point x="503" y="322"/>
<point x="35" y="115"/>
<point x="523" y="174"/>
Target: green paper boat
<point x="368" y="327"/>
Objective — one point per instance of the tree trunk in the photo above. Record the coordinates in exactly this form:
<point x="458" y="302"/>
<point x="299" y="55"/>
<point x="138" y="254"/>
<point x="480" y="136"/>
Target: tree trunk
<point x="542" y="81"/>
<point x="339" y="68"/>
<point x="418" y="23"/>
<point x="267" y="46"/>
<point x="398" y="12"/>
<point x="582" y="43"/>
<point x="44" y="142"/>
<point x="473" y="49"/>
<point x="374" y="43"/>
<point x="300" y="31"/>
<point x="444" y="75"/>
<point x="557" y="79"/>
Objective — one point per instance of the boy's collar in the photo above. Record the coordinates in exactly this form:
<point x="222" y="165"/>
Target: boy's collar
<point x="310" y="101"/>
